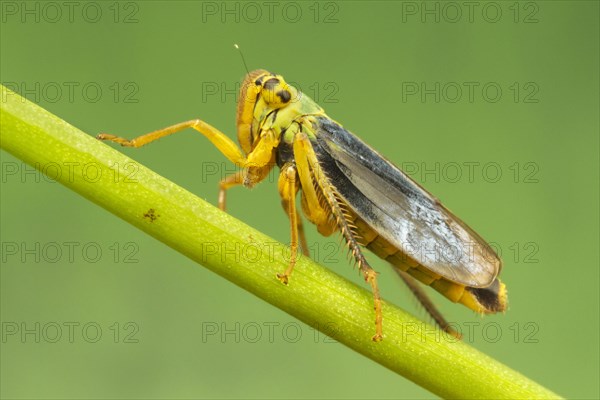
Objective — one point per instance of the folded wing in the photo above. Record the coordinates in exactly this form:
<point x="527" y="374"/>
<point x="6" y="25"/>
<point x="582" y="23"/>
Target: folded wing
<point x="401" y="211"/>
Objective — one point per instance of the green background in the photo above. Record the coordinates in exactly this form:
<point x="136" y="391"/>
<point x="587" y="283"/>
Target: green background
<point x="175" y="61"/>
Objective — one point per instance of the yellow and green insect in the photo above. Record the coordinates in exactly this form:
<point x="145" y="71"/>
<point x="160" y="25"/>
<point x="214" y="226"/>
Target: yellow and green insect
<point x="345" y="186"/>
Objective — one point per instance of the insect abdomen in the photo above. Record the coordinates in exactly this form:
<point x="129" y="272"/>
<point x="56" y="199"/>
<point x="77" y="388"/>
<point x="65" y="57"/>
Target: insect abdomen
<point x="487" y="300"/>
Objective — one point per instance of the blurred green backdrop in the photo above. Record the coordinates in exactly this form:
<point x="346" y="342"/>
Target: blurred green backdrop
<point x="493" y="107"/>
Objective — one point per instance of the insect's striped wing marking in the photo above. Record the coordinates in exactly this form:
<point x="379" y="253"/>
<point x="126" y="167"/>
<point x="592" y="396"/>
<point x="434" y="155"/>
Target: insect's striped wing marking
<point x="401" y="211"/>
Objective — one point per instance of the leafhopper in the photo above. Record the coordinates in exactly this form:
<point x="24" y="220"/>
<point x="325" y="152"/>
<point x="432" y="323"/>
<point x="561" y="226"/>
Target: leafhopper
<point x="347" y="187"/>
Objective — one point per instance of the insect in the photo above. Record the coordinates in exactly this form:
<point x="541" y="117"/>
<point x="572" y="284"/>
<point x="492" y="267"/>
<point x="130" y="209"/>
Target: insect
<point x="345" y="186"/>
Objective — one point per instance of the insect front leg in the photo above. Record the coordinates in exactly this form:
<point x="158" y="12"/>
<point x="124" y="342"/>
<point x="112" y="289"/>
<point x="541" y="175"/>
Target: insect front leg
<point x="218" y="138"/>
<point x="227" y="183"/>
<point x="256" y="166"/>
<point x="248" y="177"/>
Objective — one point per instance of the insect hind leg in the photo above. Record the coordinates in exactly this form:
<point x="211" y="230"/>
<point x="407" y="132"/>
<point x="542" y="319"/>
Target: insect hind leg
<point x="342" y="219"/>
<point x="426" y="302"/>
<point x="369" y="274"/>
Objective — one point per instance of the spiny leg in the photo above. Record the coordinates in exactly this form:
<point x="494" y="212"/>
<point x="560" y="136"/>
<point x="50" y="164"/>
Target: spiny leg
<point x="426" y="302"/>
<point x="368" y="273"/>
<point x="310" y="172"/>
<point x="287" y="190"/>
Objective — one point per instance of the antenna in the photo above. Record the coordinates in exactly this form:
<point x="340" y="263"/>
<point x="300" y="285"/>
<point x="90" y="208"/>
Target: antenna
<point x="242" y="54"/>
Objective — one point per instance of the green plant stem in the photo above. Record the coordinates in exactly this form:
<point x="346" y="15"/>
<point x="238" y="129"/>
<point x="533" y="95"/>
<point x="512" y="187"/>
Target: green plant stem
<point x="197" y="229"/>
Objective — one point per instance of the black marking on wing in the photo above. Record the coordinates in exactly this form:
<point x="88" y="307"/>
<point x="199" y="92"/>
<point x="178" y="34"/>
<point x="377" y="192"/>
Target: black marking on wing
<point x="401" y="211"/>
